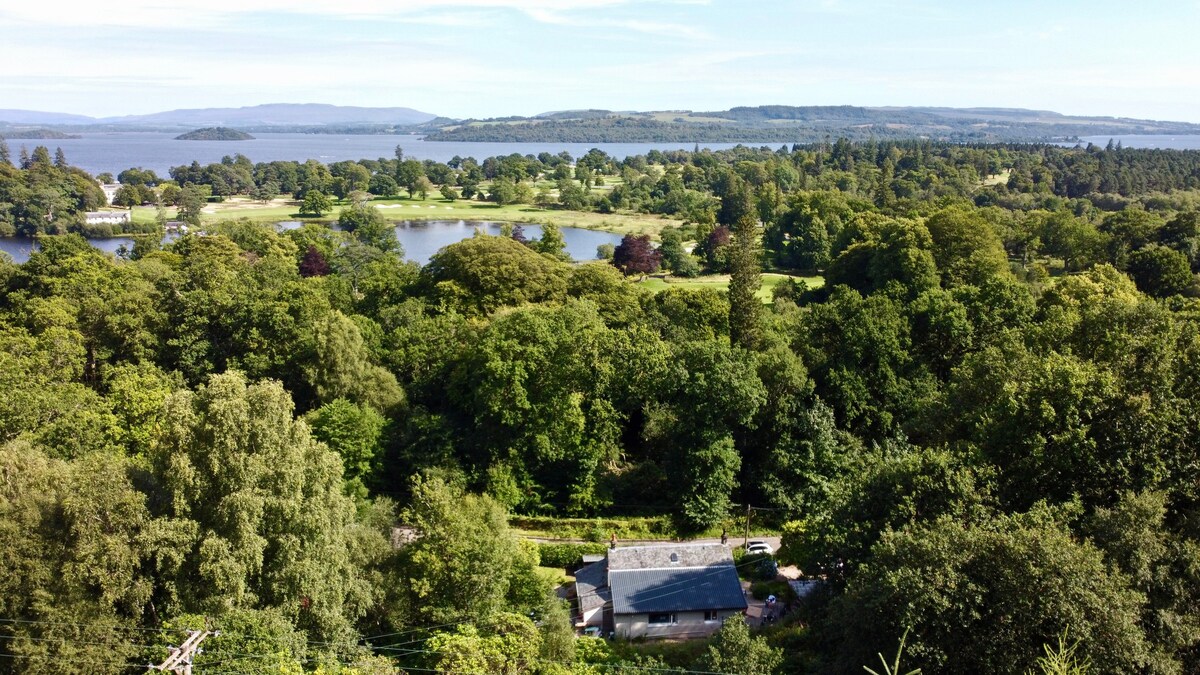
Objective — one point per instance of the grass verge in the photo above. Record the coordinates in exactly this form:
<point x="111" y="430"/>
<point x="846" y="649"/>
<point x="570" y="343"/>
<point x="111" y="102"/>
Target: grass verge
<point x="720" y="282"/>
<point x="432" y="209"/>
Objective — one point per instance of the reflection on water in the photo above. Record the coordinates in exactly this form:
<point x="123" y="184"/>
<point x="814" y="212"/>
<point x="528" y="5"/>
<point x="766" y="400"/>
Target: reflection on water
<point x="421" y="239"/>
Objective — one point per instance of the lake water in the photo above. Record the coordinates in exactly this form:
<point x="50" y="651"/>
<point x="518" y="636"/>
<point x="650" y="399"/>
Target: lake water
<point x="1144" y="141"/>
<point x="19" y="248"/>
<point x="97" y="152"/>
<point x="421" y="239"/>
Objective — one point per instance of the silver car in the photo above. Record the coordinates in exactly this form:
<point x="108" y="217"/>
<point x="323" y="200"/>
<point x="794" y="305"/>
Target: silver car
<point x="756" y="547"/>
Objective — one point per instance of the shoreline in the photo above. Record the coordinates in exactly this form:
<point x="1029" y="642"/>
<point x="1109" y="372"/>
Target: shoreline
<point x="279" y="210"/>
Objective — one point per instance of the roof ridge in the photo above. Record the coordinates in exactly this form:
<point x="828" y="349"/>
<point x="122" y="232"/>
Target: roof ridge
<point x="674" y="567"/>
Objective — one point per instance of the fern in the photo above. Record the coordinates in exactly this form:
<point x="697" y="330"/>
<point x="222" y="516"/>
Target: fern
<point x="894" y="668"/>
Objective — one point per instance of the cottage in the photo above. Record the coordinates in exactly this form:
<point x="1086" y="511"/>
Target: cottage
<point x="673" y="590"/>
<point x="108" y="217"/>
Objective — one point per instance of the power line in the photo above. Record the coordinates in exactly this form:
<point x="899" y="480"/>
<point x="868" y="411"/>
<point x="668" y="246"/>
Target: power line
<point x="180" y="659"/>
<point x="19" y="637"/>
<point x="232" y="658"/>
<point x="74" y="662"/>
<point x="86" y="625"/>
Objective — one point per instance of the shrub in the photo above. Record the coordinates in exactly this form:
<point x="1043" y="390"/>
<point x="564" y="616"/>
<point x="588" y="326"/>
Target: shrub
<point x="596" y="529"/>
<point x="780" y="589"/>
<point x="755" y="566"/>
<point x="567" y="555"/>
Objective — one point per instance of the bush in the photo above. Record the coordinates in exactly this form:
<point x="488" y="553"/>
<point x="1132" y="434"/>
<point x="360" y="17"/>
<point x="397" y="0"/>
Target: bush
<point x="780" y="589"/>
<point x="567" y="555"/>
<point x="596" y="529"/>
<point x="755" y="566"/>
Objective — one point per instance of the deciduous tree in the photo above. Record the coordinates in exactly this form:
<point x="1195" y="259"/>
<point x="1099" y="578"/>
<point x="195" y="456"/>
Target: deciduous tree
<point x="636" y="255"/>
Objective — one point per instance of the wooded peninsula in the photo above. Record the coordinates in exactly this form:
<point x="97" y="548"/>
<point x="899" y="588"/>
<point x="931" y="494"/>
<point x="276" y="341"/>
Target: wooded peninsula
<point x="215" y="134"/>
<point x="978" y="438"/>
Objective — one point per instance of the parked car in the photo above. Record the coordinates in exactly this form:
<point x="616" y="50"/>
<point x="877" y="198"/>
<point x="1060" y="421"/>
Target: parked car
<point x="757" y="547"/>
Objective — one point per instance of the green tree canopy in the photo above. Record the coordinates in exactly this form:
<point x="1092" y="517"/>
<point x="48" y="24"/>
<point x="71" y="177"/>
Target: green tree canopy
<point x="985" y="599"/>
<point x="484" y="273"/>
<point x="465" y="563"/>
<point x="273" y="529"/>
<point x="316" y="203"/>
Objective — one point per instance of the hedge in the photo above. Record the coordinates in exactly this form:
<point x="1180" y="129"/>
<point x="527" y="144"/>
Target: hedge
<point x="567" y="555"/>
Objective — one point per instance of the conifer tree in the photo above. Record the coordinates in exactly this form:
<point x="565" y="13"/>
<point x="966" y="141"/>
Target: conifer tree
<point x="745" y="279"/>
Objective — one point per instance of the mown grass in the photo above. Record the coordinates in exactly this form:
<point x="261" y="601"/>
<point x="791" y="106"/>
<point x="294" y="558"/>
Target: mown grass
<point x="555" y="576"/>
<point x="627" y="528"/>
<point x="720" y="282"/>
<point x="998" y="179"/>
<point x="432" y="209"/>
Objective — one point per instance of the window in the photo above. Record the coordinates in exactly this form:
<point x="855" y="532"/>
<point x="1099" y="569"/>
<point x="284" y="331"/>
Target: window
<point x="661" y="619"/>
<point x="711" y="615"/>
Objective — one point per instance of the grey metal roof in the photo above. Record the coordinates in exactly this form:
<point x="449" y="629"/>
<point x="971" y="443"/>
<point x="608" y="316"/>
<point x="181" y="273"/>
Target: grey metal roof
<point x="676" y="590"/>
<point x="591" y="585"/>
<point x="660" y="556"/>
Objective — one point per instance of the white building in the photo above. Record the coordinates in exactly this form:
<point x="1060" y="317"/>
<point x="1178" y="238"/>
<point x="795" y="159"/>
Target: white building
<point x="108" y="217"/>
<point x="110" y="191"/>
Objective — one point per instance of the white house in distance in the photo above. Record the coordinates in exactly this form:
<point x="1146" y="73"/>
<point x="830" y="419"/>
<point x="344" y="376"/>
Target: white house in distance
<point x="108" y="217"/>
<point x="110" y="191"/>
<point x="660" y="591"/>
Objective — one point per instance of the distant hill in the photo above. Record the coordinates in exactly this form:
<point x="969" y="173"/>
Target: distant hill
<point x="37" y="117"/>
<point x="766" y="124"/>
<point x="215" y="134"/>
<point x="574" y="114"/>
<point x="801" y="124"/>
<point x="278" y="114"/>
<point x="259" y="116"/>
<point x="35" y="133"/>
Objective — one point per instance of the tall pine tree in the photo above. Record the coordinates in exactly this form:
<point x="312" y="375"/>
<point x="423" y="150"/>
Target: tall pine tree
<point x="745" y="267"/>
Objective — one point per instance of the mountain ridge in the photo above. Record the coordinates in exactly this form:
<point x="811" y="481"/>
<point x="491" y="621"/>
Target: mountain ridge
<point x="750" y="124"/>
<point x="267" y="114"/>
<point x="802" y="124"/>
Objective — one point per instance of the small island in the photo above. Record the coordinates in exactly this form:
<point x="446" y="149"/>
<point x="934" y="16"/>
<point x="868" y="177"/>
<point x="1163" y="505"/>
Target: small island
<point x="215" y="134"/>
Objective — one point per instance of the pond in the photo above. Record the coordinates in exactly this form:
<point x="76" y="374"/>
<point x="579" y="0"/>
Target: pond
<point x="421" y="239"/>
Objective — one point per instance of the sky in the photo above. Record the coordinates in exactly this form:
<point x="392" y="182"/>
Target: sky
<point x="487" y="58"/>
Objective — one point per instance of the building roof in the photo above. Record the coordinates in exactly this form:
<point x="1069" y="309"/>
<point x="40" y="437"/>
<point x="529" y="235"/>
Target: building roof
<point x="669" y="556"/>
<point x="673" y="578"/>
<point x="676" y="590"/>
<point x="591" y="586"/>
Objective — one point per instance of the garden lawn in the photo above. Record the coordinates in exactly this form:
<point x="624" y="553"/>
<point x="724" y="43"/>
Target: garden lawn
<point x="431" y="209"/>
<point x="720" y="282"/>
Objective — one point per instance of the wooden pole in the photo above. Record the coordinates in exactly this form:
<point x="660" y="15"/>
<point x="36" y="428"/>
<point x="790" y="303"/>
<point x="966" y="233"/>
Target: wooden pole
<point x="746" y="542"/>
<point x="180" y="660"/>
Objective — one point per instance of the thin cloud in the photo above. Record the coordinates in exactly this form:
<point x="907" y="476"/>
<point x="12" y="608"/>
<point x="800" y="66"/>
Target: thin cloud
<point x="151" y="13"/>
<point x="662" y="29"/>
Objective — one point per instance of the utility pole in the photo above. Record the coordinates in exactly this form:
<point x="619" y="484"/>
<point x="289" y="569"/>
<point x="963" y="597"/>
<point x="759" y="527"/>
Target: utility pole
<point x="180" y="660"/>
<point x="747" y="540"/>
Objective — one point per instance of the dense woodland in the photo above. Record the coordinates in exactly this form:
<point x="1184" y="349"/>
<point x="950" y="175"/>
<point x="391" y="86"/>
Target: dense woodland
<point x="791" y="124"/>
<point x="982" y="431"/>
